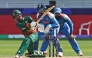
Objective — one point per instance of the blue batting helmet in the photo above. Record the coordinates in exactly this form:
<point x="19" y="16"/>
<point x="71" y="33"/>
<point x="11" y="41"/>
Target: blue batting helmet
<point x="41" y="6"/>
<point x="57" y="10"/>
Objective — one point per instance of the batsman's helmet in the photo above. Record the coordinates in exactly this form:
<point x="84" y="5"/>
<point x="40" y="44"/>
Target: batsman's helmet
<point x="16" y="13"/>
<point x="41" y="6"/>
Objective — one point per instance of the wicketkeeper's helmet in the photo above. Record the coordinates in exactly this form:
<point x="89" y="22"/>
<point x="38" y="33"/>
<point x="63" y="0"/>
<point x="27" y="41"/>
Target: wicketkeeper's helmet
<point x="16" y="13"/>
<point x="41" y="6"/>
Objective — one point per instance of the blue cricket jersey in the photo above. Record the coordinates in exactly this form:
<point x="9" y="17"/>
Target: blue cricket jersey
<point x="49" y="18"/>
<point x="65" y="22"/>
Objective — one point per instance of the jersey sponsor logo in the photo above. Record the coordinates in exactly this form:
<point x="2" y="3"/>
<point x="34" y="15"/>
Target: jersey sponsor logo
<point x="45" y="22"/>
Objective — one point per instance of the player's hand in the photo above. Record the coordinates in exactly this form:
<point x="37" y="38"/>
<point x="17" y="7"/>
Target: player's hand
<point x="27" y="25"/>
<point x="71" y="36"/>
<point x="34" y="31"/>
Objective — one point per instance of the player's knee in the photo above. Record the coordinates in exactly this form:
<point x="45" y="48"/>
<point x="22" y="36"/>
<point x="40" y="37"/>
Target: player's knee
<point x="27" y="41"/>
<point x="47" y="36"/>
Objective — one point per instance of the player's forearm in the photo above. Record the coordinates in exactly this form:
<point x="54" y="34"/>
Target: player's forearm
<point x="69" y="22"/>
<point x="71" y="32"/>
<point x="71" y="28"/>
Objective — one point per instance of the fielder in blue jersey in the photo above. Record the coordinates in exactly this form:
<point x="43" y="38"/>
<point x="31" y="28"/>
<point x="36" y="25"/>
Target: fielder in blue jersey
<point x="44" y="29"/>
<point x="66" y="28"/>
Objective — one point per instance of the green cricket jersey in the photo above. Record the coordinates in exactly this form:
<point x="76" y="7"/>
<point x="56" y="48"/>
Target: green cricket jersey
<point x="22" y="24"/>
<point x="31" y="36"/>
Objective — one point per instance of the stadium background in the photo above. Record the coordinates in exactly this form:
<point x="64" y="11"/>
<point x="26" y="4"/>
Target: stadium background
<point x="79" y="11"/>
<point x="78" y="16"/>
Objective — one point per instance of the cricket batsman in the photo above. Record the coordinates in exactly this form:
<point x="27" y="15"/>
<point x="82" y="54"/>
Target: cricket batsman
<point x="46" y="24"/>
<point x="66" y="28"/>
<point x="25" y="24"/>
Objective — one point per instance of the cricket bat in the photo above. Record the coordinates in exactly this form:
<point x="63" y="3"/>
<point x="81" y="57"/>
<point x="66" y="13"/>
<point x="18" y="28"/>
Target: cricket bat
<point x="49" y="9"/>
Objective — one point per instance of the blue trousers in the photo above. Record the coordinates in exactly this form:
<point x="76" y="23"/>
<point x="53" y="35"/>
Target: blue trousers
<point x="64" y="31"/>
<point x="73" y="42"/>
<point x="53" y="38"/>
<point x="40" y="35"/>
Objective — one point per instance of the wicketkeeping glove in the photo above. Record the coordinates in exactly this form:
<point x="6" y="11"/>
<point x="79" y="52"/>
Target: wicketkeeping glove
<point x="47" y="28"/>
<point x="40" y="27"/>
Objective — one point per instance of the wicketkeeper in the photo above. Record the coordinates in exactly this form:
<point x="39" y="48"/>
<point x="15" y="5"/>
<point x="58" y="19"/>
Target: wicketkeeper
<point x="46" y="24"/>
<point x="26" y="25"/>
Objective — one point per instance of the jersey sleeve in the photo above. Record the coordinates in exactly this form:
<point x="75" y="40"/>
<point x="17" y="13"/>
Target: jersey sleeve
<point x="21" y="25"/>
<point x="69" y="22"/>
<point x="37" y="17"/>
<point x="27" y="19"/>
<point x="30" y="19"/>
<point x="54" y="22"/>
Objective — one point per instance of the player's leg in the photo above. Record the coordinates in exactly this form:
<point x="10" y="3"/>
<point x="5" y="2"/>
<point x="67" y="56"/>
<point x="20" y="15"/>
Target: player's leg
<point x="23" y="47"/>
<point x="31" y="48"/>
<point x="36" y="44"/>
<point x="44" y="45"/>
<point x="72" y="41"/>
<point x="29" y="40"/>
<point x="53" y="34"/>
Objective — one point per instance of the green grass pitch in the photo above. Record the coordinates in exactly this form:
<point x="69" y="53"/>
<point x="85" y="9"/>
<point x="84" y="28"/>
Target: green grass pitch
<point x="9" y="47"/>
